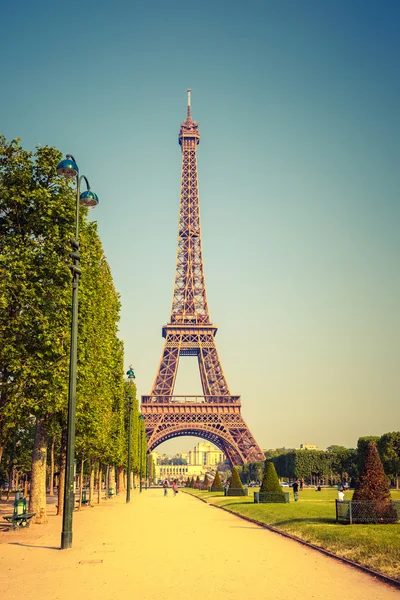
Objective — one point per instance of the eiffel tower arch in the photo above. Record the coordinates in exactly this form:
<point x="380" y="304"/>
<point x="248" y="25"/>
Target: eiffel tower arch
<point x="214" y="416"/>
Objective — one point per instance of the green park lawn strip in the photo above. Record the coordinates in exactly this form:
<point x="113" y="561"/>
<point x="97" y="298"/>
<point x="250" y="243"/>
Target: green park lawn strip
<point x="312" y="519"/>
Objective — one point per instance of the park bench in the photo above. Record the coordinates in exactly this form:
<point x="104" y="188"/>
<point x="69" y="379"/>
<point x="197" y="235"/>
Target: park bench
<point x="17" y="521"/>
<point x="20" y="516"/>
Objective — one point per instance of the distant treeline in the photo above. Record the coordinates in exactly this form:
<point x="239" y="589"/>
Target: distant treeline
<point x="329" y="466"/>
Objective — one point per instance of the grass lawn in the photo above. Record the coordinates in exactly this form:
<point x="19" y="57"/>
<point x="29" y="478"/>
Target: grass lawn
<point x="312" y="519"/>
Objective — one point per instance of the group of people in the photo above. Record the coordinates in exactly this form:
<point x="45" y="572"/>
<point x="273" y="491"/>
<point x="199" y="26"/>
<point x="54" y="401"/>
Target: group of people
<point x="174" y="487"/>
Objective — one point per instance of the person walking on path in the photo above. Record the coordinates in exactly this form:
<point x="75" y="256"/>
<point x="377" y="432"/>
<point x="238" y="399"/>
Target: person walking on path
<point x="165" y="486"/>
<point x="296" y="490"/>
<point x="175" y="487"/>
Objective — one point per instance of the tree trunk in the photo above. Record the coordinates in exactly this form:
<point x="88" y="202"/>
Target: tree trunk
<point x="61" y="477"/>
<point x="1" y="452"/>
<point x="397" y="481"/>
<point x="99" y="478"/>
<point x="51" y="482"/>
<point x="81" y="485"/>
<point x="91" y="483"/>
<point x="37" y="497"/>
<point x="112" y="477"/>
<point x="121" y="485"/>
<point x="26" y="486"/>
<point x="107" y="480"/>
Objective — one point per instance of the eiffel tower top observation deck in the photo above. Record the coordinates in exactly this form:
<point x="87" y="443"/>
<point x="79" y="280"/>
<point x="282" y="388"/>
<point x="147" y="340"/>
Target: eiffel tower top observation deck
<point x="215" y="416"/>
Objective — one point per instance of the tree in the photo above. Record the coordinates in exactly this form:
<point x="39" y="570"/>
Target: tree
<point x="205" y="483"/>
<point x="389" y="451"/>
<point x="216" y="485"/>
<point x="36" y="221"/>
<point x="371" y="502"/>
<point x="362" y="445"/>
<point x="256" y="471"/>
<point x="235" y="483"/>
<point x="270" y="482"/>
<point x="270" y="486"/>
<point x="338" y="461"/>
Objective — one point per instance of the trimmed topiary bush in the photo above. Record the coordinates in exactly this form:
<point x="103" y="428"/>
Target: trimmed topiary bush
<point x="235" y="486"/>
<point x="197" y="483"/>
<point x="188" y="482"/>
<point x="270" y="490"/>
<point x="371" y="502"/>
<point x="206" y="483"/>
<point x="192" y="482"/>
<point x="216" y="485"/>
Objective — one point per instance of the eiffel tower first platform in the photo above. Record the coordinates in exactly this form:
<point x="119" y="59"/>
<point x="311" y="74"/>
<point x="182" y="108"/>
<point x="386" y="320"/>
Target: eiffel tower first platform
<point x="215" y="416"/>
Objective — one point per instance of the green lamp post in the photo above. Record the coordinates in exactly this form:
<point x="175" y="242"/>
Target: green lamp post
<point x="131" y="377"/>
<point x="69" y="169"/>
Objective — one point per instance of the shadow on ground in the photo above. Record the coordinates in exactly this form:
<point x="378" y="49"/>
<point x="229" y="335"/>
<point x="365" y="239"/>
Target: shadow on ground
<point x="34" y="546"/>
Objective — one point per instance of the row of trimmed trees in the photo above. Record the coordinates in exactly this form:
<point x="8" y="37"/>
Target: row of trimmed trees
<point x="371" y="502"/>
<point x="335" y="464"/>
<point x="37" y="220"/>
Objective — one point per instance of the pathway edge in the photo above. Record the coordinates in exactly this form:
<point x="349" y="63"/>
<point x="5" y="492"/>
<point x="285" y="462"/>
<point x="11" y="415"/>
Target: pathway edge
<point x="388" y="580"/>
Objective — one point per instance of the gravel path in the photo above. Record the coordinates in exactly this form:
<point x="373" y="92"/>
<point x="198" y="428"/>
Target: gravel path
<point x="158" y="548"/>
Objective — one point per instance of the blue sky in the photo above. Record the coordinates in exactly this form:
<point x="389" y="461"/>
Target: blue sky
<point x="298" y="108"/>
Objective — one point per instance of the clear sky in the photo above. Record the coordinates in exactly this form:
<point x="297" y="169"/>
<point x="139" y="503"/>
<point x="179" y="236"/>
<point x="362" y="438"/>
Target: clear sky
<point x="298" y="107"/>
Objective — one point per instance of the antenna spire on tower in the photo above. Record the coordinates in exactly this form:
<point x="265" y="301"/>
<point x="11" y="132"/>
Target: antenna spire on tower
<point x="189" y="113"/>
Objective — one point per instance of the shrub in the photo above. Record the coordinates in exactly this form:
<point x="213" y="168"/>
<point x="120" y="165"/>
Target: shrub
<point x="270" y="490"/>
<point x="188" y="482"/>
<point x="235" y="486"/>
<point x="192" y="483"/>
<point x="270" y="482"/>
<point x="216" y="485"/>
<point x="371" y="501"/>
<point x="235" y="482"/>
<point x="197" y="484"/>
<point x="205" y="483"/>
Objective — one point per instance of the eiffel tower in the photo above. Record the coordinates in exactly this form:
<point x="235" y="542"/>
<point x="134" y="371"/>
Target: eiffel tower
<point x="215" y="416"/>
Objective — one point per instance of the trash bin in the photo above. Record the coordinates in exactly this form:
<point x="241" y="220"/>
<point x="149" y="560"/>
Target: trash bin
<point x="19" y="503"/>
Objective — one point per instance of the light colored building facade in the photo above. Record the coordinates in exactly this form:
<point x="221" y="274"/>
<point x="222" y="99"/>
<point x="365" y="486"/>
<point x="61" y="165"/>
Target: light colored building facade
<point x="206" y="455"/>
<point x="203" y="459"/>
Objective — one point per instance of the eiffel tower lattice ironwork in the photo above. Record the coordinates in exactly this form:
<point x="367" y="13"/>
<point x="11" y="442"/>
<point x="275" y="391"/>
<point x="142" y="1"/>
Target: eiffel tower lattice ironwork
<point x="215" y="416"/>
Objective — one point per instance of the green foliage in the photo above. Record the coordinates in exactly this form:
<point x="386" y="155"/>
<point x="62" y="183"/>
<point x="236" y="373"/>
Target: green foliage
<point x="188" y="482"/>
<point x="270" y="482"/>
<point x="197" y="483"/>
<point x="37" y="213"/>
<point x="372" y="491"/>
<point x="256" y="471"/>
<point x="362" y="445"/>
<point x="37" y="220"/>
<point x="389" y="451"/>
<point x="206" y="483"/>
<point x="235" y="483"/>
<point x="216" y="485"/>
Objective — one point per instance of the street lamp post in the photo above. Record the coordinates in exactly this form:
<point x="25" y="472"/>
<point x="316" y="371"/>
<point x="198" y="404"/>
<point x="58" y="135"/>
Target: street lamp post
<point x="69" y="169"/>
<point x="131" y="377"/>
<point x="141" y="419"/>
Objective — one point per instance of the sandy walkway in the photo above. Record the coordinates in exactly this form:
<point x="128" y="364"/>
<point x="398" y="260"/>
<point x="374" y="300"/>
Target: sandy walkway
<point x="160" y="548"/>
